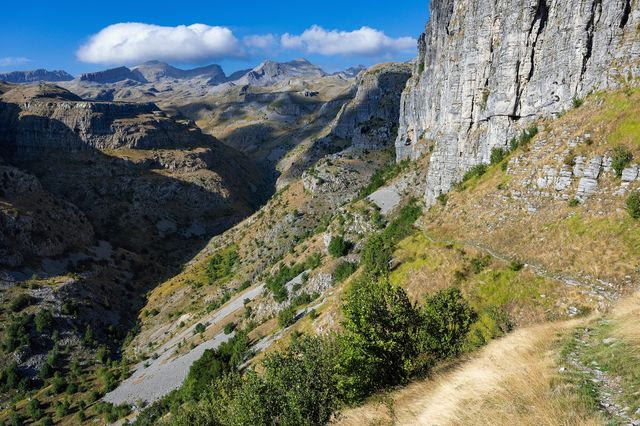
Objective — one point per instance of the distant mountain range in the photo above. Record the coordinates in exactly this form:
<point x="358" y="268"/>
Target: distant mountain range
<point x="35" y="76"/>
<point x="265" y="74"/>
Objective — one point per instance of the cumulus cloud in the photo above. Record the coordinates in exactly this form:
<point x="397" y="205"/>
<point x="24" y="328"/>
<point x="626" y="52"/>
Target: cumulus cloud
<point x="9" y="61"/>
<point x="132" y="43"/>
<point x="364" y="42"/>
<point x="266" y="41"/>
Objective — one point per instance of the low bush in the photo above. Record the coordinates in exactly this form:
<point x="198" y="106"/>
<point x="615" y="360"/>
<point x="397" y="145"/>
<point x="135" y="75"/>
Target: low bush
<point x="633" y="205"/>
<point x="343" y="271"/>
<point x="475" y="171"/>
<point x="221" y="264"/>
<point x="524" y="139"/>
<point x="17" y="333"/>
<point x="229" y="328"/>
<point x="382" y="176"/>
<point x="498" y="154"/>
<point x="199" y="328"/>
<point x="33" y="409"/>
<point x="277" y="283"/>
<point x="621" y="158"/>
<point x="338" y="246"/>
<point x="43" y="321"/>
<point x="20" y="302"/>
<point x="287" y="316"/>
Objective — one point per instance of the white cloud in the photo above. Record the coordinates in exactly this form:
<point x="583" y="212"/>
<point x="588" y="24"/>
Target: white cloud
<point x="9" y="61"/>
<point x="132" y="43"/>
<point x="266" y="41"/>
<point x="364" y="42"/>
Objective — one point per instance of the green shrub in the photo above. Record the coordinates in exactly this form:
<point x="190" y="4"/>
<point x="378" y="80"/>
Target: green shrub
<point x="58" y="384"/>
<point x="17" y="333"/>
<point x="498" y="154"/>
<point x="287" y="316"/>
<point x="277" y="283"/>
<point x="516" y="265"/>
<point x="577" y="102"/>
<point x="10" y="376"/>
<point x="443" y="199"/>
<point x="343" y="271"/>
<point x="382" y="176"/>
<point x="633" y="205"/>
<point x="526" y="136"/>
<point x="214" y="364"/>
<point x="61" y="408"/>
<point x="475" y="171"/>
<point x="33" y="409"/>
<point x="46" y="421"/>
<point x="199" y="328"/>
<point x="221" y="264"/>
<point x="338" y="246"/>
<point x="228" y="329"/>
<point x="574" y="202"/>
<point x="621" y="158"/>
<point x="43" y="321"/>
<point x="20" y="302"/>
<point x="376" y="255"/>
<point x="301" y="299"/>
<point x="448" y="319"/>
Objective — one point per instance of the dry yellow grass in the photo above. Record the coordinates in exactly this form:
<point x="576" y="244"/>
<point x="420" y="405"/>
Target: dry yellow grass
<point x="509" y="382"/>
<point x="595" y="239"/>
<point x="626" y="316"/>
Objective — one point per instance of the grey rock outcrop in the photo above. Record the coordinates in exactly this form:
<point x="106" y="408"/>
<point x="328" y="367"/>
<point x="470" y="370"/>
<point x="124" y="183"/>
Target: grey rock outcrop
<point x="370" y="119"/>
<point x="485" y="70"/>
<point x="113" y="75"/>
<point x="35" y="76"/>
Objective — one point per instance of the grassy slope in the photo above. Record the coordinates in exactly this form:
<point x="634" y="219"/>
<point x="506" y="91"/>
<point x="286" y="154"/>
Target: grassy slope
<point x="578" y="258"/>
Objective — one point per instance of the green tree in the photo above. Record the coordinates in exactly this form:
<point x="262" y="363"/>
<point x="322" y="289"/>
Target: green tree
<point x="43" y="321"/>
<point x="381" y="339"/>
<point x="447" y="321"/>
<point x="376" y="256"/>
<point x="33" y="409"/>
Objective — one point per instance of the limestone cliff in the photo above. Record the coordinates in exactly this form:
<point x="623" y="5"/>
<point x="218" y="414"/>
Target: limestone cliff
<point x="485" y="70"/>
<point x="370" y="119"/>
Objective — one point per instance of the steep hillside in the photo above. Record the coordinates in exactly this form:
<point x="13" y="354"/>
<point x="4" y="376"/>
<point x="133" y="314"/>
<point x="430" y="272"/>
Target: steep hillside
<point x="555" y="208"/>
<point x="98" y="202"/>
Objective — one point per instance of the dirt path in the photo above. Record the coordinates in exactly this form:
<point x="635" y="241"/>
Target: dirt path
<point x="438" y="400"/>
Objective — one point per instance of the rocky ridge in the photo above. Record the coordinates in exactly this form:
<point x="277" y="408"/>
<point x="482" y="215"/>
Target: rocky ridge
<point x="35" y="76"/>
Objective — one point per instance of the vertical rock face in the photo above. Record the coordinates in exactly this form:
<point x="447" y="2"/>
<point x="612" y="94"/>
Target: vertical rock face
<point x="488" y="68"/>
<point x="370" y="119"/>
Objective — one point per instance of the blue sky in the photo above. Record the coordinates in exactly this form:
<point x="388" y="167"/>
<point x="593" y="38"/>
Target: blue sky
<point x="238" y="34"/>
